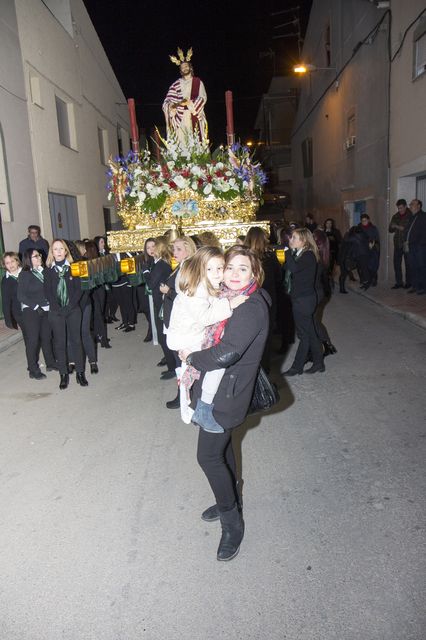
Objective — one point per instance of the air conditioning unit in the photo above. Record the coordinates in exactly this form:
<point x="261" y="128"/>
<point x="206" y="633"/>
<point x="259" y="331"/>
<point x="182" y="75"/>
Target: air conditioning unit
<point x="350" y="142"/>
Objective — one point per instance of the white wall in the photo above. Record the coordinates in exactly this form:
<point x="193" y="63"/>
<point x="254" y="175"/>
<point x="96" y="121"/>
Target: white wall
<point x="76" y="70"/>
<point x="17" y="185"/>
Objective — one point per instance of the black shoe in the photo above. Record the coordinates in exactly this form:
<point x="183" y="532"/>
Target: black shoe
<point x="211" y="514"/>
<point x="412" y="290"/>
<point x="232" y="534"/>
<point x="320" y="368"/>
<point x="109" y="320"/>
<point x="94" y="367"/>
<point x="162" y="363"/>
<point x="130" y="327"/>
<point x="64" y="381"/>
<point x="343" y="290"/>
<point x="52" y="367"/>
<point x="168" y="375"/>
<point x="114" y="319"/>
<point x="81" y="379"/>
<point x="37" y="375"/>
<point x="71" y="367"/>
<point x="105" y="344"/>
<point x="397" y="286"/>
<point x="407" y="286"/>
<point x="329" y="349"/>
<point x="174" y="404"/>
<point x="148" y="337"/>
<point x="292" y="372"/>
<point x="120" y="327"/>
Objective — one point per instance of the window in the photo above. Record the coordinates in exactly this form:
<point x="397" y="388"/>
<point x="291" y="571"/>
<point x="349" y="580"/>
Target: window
<point x="327" y="44"/>
<point x="350" y="139"/>
<point x="35" y="90"/>
<point x="103" y="145"/>
<point x="307" y="158"/>
<point x="63" y="122"/>
<point x="420" y="55"/>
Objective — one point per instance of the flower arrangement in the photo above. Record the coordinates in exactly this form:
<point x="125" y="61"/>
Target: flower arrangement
<point x="142" y="182"/>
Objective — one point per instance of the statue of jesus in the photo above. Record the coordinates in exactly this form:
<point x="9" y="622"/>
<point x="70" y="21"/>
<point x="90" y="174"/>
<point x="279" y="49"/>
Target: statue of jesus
<point x="184" y="104"/>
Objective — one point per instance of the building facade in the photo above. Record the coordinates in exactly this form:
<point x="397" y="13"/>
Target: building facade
<point x="76" y="116"/>
<point x="340" y="138"/>
<point x="408" y="102"/>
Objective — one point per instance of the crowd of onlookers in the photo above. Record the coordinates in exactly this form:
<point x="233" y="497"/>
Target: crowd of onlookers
<point x="40" y="296"/>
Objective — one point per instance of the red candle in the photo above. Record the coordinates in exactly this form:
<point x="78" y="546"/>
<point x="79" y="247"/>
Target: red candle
<point x="134" y="132"/>
<point x="229" y="115"/>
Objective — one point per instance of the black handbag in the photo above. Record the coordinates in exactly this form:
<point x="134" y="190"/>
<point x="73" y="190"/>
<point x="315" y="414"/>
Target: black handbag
<point x="265" y="393"/>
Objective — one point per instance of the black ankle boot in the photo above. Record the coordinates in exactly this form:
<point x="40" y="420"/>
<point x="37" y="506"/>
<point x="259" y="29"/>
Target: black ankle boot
<point x="81" y="379"/>
<point x="212" y="513"/>
<point x="232" y="534"/>
<point x="329" y="349"/>
<point x="174" y="404"/>
<point x="64" y="381"/>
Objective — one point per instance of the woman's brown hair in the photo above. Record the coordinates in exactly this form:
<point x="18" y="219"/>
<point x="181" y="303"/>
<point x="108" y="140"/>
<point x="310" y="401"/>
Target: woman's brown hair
<point x="162" y="249"/>
<point x="256" y="240"/>
<point x="308" y="240"/>
<point x="256" y="265"/>
<point x="10" y="254"/>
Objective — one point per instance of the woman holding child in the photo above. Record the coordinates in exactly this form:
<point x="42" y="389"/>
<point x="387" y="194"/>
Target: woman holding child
<point x="229" y="360"/>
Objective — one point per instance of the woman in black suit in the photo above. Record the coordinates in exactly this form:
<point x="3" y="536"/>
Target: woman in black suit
<point x="239" y="351"/>
<point x="63" y="293"/>
<point x="142" y="295"/>
<point x="9" y="290"/>
<point x="303" y="268"/>
<point x="156" y="276"/>
<point x="35" y="307"/>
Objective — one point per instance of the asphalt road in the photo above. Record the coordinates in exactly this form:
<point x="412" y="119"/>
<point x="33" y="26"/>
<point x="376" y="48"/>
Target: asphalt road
<point x="101" y="495"/>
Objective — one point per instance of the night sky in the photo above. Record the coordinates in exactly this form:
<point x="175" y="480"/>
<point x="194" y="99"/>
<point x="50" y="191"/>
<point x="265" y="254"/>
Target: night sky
<point x="231" y="41"/>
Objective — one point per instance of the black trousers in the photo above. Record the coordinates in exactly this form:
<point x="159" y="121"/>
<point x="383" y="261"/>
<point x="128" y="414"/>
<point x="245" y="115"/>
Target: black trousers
<point x="111" y="304"/>
<point x="303" y="311"/>
<point x="99" y="324"/>
<point x="215" y="456"/>
<point x="86" y="334"/>
<point x="398" y="256"/>
<point x="168" y="353"/>
<point x="37" y="332"/>
<point x="124" y="296"/>
<point x="63" y="326"/>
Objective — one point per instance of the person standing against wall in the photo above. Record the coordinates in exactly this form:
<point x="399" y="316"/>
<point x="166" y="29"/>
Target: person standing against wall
<point x="399" y="224"/>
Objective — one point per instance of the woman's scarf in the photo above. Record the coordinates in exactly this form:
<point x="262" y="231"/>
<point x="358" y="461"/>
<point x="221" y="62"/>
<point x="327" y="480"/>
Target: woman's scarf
<point x="62" y="289"/>
<point x="38" y="274"/>
<point x="214" y="332"/>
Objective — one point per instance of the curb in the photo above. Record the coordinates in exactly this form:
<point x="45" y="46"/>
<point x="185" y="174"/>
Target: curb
<point x="414" y="318"/>
<point x="9" y="341"/>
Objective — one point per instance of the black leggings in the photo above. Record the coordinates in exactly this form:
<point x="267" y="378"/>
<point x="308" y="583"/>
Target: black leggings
<point x="215" y="456"/>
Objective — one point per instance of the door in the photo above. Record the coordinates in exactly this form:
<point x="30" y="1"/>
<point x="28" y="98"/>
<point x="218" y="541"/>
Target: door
<point x="360" y="207"/>
<point x="64" y="216"/>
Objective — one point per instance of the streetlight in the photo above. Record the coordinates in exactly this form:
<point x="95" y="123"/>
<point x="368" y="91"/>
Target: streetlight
<point x="305" y="68"/>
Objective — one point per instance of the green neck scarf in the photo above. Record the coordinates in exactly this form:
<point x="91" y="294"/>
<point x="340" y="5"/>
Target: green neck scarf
<point x="38" y="274"/>
<point x="62" y="290"/>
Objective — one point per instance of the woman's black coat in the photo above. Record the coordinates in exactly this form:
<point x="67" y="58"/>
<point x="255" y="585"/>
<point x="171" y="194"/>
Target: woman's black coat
<point x="31" y="290"/>
<point x="11" y="307"/>
<point x="240" y="352"/>
<point x="169" y="297"/>
<point x="158" y="274"/>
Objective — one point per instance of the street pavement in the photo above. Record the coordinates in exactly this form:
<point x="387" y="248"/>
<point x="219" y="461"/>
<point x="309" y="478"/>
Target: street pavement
<point x="101" y="495"/>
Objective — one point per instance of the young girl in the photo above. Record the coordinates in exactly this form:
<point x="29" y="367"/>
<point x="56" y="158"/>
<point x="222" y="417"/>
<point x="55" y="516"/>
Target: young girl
<point x="196" y="307"/>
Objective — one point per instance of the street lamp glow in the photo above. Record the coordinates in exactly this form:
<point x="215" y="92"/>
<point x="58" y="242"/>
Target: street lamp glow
<point x="304" y="68"/>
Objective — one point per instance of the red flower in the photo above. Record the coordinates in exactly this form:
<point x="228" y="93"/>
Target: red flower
<point x="172" y="184"/>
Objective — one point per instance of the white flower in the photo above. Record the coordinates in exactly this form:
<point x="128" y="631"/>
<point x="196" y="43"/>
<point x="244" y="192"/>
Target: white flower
<point x="109" y="196"/>
<point x="196" y="170"/>
<point x="207" y="189"/>
<point x="170" y="165"/>
<point x="219" y="166"/>
<point x="141" y="196"/>
<point x="181" y="182"/>
<point x="194" y="186"/>
<point x="229" y="173"/>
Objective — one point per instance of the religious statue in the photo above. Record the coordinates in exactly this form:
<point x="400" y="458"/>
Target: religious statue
<point x="184" y="104"/>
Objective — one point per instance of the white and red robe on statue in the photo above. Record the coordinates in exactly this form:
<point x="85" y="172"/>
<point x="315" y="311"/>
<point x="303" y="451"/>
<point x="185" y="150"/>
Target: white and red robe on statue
<point x="185" y="119"/>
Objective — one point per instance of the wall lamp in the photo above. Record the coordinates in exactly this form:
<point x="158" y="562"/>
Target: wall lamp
<point x="307" y="68"/>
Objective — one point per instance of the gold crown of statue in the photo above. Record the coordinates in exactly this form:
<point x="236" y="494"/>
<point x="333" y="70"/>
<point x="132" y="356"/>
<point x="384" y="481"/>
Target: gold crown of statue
<point x="181" y="57"/>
